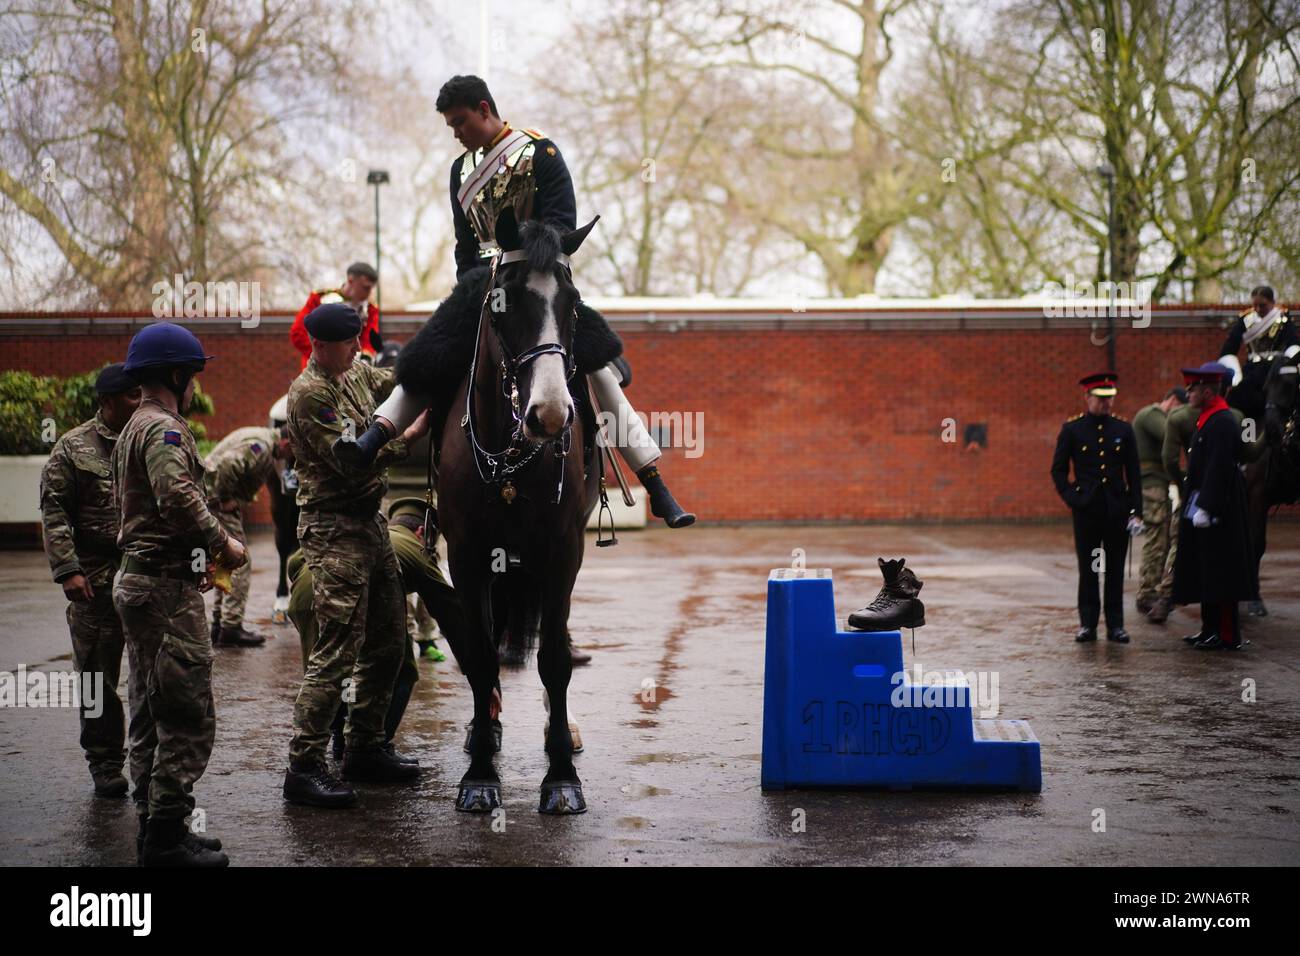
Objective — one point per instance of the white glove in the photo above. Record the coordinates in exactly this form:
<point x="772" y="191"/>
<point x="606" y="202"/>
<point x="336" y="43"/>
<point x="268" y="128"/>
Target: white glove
<point x="1135" y="526"/>
<point x="1202" y="519"/>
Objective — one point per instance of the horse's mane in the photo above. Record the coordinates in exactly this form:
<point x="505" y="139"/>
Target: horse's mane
<point x="541" y="244"/>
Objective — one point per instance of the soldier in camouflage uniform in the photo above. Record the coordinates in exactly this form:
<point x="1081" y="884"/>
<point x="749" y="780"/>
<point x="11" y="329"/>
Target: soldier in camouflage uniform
<point x="1154" y="599"/>
<point x="237" y="468"/>
<point x="357" y="587"/>
<point x="169" y="541"/>
<point x="80" y="527"/>
<point x="420" y="576"/>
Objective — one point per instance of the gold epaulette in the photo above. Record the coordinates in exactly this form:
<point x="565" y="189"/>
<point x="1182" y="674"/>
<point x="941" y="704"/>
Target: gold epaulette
<point x="1074" y="419"/>
<point x="1245" y="312"/>
<point x="322" y="291"/>
<point x="1119" y="417"/>
<point x="535" y="133"/>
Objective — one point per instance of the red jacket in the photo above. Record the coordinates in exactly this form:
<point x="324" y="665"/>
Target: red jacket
<point x="298" y="331"/>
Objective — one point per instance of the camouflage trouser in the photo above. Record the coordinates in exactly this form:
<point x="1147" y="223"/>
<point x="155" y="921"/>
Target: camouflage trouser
<point x="303" y="617"/>
<point x="419" y="621"/>
<point x="97" y="644"/>
<point x="1167" y="579"/>
<point x="360" y="614"/>
<point x="229" y="609"/>
<point x="1155" y="541"/>
<point x="173" y="719"/>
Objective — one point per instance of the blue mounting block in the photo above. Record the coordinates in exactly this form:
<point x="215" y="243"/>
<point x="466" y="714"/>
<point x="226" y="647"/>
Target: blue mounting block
<point x="835" y="714"/>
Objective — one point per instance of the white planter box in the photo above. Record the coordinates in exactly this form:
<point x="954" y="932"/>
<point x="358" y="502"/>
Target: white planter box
<point x="20" y="488"/>
<point x="624" y="517"/>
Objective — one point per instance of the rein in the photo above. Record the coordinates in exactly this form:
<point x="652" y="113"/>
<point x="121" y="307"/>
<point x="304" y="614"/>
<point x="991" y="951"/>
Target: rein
<point x="495" y="468"/>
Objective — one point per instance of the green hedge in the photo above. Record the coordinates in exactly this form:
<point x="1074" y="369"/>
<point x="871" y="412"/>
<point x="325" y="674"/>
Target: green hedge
<point x="36" y="409"/>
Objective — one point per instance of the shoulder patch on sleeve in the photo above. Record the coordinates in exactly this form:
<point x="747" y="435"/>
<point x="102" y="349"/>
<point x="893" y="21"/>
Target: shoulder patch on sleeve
<point x="256" y="448"/>
<point x="328" y="415"/>
<point x="171" y="438"/>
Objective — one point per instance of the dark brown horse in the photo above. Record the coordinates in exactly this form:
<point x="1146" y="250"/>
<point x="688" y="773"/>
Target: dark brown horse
<point x="517" y="481"/>
<point x="1274" y="479"/>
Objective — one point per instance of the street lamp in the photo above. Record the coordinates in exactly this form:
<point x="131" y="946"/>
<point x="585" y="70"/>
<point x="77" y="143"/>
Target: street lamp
<point x="376" y="178"/>
<point x="1107" y="172"/>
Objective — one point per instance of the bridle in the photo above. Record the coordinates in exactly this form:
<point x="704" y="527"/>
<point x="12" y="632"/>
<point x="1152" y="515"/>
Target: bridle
<point x="496" y="468"/>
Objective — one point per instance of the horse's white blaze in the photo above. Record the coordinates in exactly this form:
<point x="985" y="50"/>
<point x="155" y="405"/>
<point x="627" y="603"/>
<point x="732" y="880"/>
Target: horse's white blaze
<point x="549" y="394"/>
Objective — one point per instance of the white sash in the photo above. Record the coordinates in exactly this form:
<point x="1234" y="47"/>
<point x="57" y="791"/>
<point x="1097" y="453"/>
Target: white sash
<point x="1261" y="326"/>
<point x="487" y="168"/>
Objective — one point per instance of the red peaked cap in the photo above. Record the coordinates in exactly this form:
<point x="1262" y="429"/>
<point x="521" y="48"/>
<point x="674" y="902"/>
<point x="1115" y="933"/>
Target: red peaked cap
<point x="1101" y="383"/>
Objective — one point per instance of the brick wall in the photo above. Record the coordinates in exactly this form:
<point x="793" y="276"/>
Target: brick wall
<point x="811" y="421"/>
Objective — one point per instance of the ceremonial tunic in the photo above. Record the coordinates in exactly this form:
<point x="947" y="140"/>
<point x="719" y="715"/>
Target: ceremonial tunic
<point x="1105" y="492"/>
<point x="357" y="590"/>
<point x="1279" y="338"/>
<point x="80" y="526"/>
<point x="237" y="468"/>
<point x="168" y="537"/>
<point x="1214" y="565"/>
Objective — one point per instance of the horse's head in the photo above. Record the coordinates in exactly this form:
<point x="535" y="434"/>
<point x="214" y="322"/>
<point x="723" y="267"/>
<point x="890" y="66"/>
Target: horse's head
<point x="1281" y="388"/>
<point x="532" y="309"/>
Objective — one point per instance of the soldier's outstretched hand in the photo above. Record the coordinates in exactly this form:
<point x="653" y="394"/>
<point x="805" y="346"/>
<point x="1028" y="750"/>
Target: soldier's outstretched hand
<point x="417" y="428"/>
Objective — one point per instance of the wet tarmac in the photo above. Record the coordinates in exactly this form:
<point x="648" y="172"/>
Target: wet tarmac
<point x="1153" y="733"/>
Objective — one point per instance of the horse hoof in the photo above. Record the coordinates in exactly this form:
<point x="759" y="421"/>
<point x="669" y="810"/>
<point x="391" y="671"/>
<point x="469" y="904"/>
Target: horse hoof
<point x="562" y="798"/>
<point x="478" y="796"/>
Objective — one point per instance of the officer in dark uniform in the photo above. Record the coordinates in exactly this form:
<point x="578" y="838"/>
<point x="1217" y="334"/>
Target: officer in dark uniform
<point x="1105" y="498"/>
<point x="1215" y="566"/>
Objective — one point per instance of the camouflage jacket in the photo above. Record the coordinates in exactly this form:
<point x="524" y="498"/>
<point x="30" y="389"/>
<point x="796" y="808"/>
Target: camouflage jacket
<point x="241" y="464"/>
<point x="77" y="511"/>
<point x="323" y="409"/>
<point x="158" y="485"/>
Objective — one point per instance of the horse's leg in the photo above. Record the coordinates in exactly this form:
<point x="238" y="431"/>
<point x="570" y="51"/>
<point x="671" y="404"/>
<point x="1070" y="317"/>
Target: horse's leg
<point x="1257" y="521"/>
<point x="480" y="788"/>
<point x="561" y="788"/>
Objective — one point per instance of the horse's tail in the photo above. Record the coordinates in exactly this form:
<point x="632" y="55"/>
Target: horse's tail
<point x="518" y="606"/>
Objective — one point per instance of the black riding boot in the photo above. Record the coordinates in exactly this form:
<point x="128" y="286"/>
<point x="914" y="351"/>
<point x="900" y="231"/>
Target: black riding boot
<point x="897" y="605"/>
<point x="360" y="454"/>
<point x="662" y="503"/>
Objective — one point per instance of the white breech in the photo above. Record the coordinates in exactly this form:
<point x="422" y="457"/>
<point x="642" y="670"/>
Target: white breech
<point x="400" y="409"/>
<point x="625" y="432"/>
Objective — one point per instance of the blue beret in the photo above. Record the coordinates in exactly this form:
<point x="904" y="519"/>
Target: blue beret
<point x="113" y="380"/>
<point x="333" y="322"/>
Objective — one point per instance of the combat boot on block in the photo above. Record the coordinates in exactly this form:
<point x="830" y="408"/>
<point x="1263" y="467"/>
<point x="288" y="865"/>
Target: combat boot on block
<point x="378" y="765"/>
<point x="312" y="785"/>
<point x="166" y="844"/>
<point x="896" y="606"/>
<point x="662" y="503"/>
<point x="239" y="637"/>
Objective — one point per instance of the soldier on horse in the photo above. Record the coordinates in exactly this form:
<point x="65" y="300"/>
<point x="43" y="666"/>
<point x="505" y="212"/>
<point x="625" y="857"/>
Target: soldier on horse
<point x="523" y="171"/>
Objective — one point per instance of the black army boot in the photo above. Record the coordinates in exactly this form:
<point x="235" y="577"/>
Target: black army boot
<point x="216" y="622"/>
<point x="202" y="842"/>
<point x="662" y="503"/>
<point x="360" y="454"/>
<point x="378" y="765"/>
<point x="311" y="784"/>
<point x="109" y="782"/>
<point x="168" y="842"/>
<point x="896" y="606"/>
<point x="239" y="637"/>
